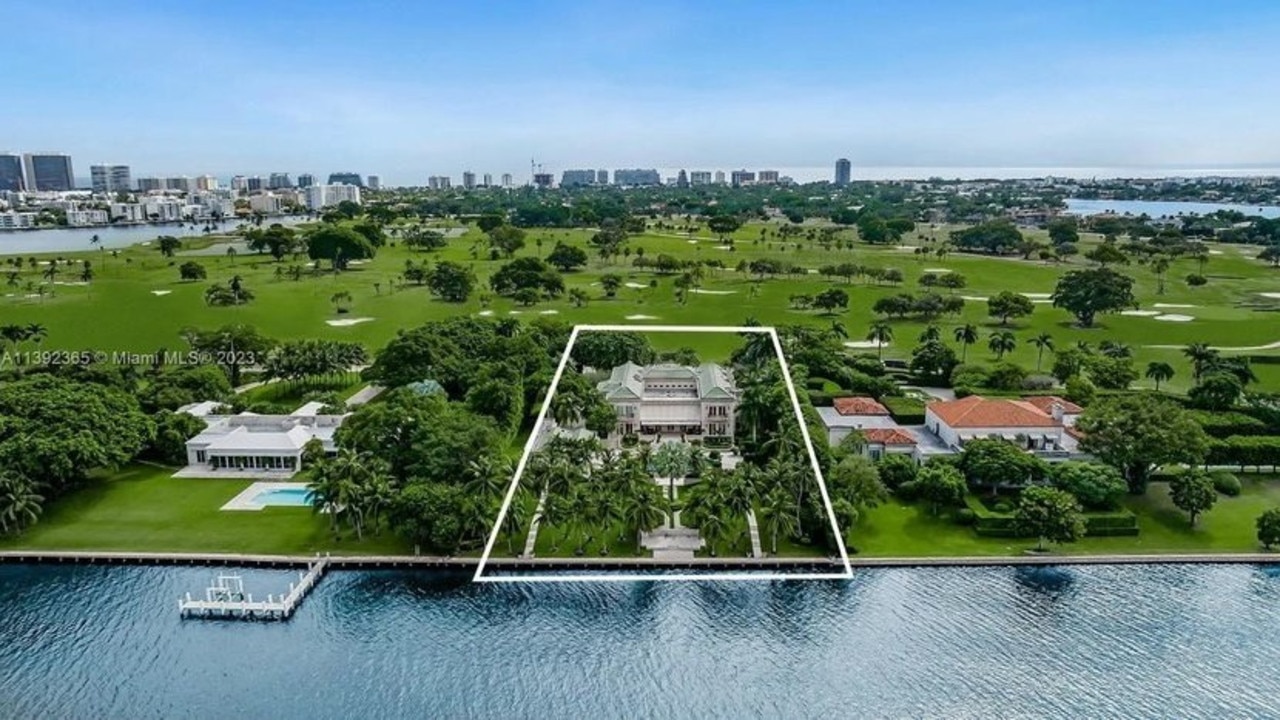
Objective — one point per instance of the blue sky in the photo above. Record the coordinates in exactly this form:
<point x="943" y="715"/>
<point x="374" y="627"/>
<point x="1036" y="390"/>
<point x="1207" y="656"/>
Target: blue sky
<point x="412" y="89"/>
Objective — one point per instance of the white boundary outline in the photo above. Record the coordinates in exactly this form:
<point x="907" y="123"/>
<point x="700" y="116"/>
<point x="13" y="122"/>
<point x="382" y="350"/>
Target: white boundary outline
<point x="711" y="575"/>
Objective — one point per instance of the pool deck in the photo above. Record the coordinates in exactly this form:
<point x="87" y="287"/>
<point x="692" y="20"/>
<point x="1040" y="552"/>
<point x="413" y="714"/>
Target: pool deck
<point x="245" y="500"/>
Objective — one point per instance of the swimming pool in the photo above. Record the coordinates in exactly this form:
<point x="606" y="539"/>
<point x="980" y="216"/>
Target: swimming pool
<point x="285" y="497"/>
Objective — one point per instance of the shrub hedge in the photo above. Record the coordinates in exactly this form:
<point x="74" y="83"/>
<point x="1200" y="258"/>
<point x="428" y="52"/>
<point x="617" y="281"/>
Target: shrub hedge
<point x="1227" y="424"/>
<point x="989" y="523"/>
<point x="907" y="411"/>
<point x="1245" y="451"/>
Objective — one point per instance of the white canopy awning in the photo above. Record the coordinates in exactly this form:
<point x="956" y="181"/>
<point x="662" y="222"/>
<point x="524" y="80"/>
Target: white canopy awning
<point x="670" y="414"/>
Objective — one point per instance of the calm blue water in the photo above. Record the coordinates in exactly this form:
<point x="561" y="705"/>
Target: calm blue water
<point x="77" y="239"/>
<point x="287" y="497"/>
<point x="1157" y="642"/>
<point x="1156" y="208"/>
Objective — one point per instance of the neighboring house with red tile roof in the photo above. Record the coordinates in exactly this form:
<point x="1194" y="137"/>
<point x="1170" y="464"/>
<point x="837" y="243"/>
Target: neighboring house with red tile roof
<point x="859" y="406"/>
<point x="1018" y="421"/>
<point x="886" y="441"/>
<point x="1056" y="407"/>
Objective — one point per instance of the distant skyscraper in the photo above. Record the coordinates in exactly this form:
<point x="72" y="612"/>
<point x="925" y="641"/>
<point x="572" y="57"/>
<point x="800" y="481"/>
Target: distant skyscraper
<point x="488" y="179"/>
<point x="506" y="180"/>
<point x="682" y="179"/>
<point x="279" y="181"/>
<point x="739" y="178"/>
<point x="543" y="180"/>
<point x="239" y="184"/>
<point x="183" y="183"/>
<point x="439" y="182"/>
<point x="110" y="178"/>
<point x="700" y="177"/>
<point x="719" y="177"/>
<point x="11" y="172"/>
<point x="468" y="179"/>
<point x="306" y="180"/>
<point x="577" y="178"/>
<point x="345" y="178"/>
<point x="48" y="172"/>
<point x="844" y="171"/>
<point x="636" y="177"/>
<point x="320" y="196"/>
<point x="767" y="177"/>
<point x="206" y="183"/>
<point x="255" y="183"/>
<point x="148" y="184"/>
<point x="374" y="182"/>
<point x="602" y="177"/>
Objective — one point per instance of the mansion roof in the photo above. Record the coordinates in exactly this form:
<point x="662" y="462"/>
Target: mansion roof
<point x="629" y="381"/>
<point x="979" y="412"/>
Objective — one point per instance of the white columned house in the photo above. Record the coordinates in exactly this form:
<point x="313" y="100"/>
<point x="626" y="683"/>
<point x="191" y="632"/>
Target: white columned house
<point x="669" y="398"/>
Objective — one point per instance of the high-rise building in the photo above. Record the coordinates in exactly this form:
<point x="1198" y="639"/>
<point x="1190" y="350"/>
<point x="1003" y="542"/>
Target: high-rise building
<point x="306" y="180"/>
<point x="577" y="178"/>
<point x="488" y="179"/>
<point x="150" y="184"/>
<point x="374" y="182"/>
<point x="110" y="178"/>
<point x="468" y="179"/>
<point x="700" y="177"/>
<point x="11" y="172"/>
<point x="48" y="172"/>
<point x="279" y="181"/>
<point x="633" y="177"/>
<point x="767" y="177"/>
<point x="206" y="183"/>
<point x="739" y="178"/>
<point x="719" y="177"/>
<point x="181" y="183"/>
<point x="239" y="184"/>
<point x="543" y="180"/>
<point x="682" y="179"/>
<point x="844" y="172"/>
<point x="346" y="178"/>
<point x="321" y="196"/>
<point x="255" y="183"/>
<point x="602" y="177"/>
<point x="506" y="180"/>
<point x="439" y="182"/>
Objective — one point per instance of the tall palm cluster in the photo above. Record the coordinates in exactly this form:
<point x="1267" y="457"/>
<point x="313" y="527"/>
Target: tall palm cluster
<point x="13" y="335"/>
<point x="351" y="488"/>
<point x="589" y="493"/>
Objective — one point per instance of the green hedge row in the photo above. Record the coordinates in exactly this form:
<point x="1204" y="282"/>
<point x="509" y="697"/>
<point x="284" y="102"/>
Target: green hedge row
<point x="1245" y="451"/>
<point x="989" y="523"/>
<point x="907" y="411"/>
<point x="1227" y="424"/>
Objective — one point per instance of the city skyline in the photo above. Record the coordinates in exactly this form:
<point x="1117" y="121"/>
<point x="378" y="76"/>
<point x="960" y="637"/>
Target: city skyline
<point x="922" y="84"/>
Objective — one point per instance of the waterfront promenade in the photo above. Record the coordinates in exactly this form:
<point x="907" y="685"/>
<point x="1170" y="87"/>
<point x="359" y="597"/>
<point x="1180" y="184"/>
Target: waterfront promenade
<point x="362" y="562"/>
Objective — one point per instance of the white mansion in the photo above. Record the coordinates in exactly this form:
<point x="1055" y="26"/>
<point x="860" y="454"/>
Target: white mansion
<point x="670" y="398"/>
<point x="249" y="445"/>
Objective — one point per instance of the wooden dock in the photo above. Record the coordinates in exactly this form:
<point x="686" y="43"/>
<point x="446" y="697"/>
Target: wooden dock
<point x="226" y="599"/>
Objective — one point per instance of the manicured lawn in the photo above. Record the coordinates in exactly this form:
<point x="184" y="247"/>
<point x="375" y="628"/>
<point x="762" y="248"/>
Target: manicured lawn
<point x="898" y="529"/>
<point x="120" y="312"/>
<point x="621" y="542"/>
<point x="142" y="509"/>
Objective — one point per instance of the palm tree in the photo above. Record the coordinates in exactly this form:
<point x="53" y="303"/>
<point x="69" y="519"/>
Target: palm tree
<point x="1159" y="266"/>
<point x="712" y="527"/>
<point x="487" y="476"/>
<point x="966" y="335"/>
<point x="1001" y="343"/>
<point x="20" y="504"/>
<point x="838" y="329"/>
<point x="1043" y="341"/>
<point x="931" y="333"/>
<point x="1159" y="372"/>
<point x="881" y="334"/>
<point x="1113" y="349"/>
<point x="644" y="508"/>
<point x="778" y="515"/>
<point x="1201" y="357"/>
<point x="513" y="522"/>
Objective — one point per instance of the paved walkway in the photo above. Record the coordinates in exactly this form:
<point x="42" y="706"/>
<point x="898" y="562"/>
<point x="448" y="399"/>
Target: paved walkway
<point x="364" y="395"/>
<point x="755" y="534"/>
<point x="532" y="539"/>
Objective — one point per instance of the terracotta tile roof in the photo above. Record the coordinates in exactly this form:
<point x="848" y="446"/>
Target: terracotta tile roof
<point x="979" y="412"/>
<point x="859" y="406"/>
<point x="1045" y="404"/>
<point x="1075" y="433"/>
<point x="888" y="436"/>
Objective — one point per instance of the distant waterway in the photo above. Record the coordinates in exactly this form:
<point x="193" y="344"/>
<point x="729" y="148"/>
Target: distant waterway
<point x="112" y="236"/>
<point x="1162" y="208"/>
<point x="1187" y="641"/>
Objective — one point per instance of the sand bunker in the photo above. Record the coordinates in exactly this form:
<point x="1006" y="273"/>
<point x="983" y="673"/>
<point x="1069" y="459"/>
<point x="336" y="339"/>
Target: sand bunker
<point x="160" y="292"/>
<point x="1175" y="318"/>
<point x="1273" y="296"/>
<point x="700" y="291"/>
<point x="347" y="322"/>
<point x="723" y="247"/>
<point x="864" y="344"/>
<point x="485" y="313"/>
<point x="1171" y="305"/>
<point x="642" y="317"/>
<point x="937" y="270"/>
<point x="549" y="312"/>
<point x="1037" y="295"/>
<point x="515" y="312"/>
<point x="74" y="283"/>
<point x="637" y="286"/>
<point x="1140" y="313"/>
<point x="975" y="298"/>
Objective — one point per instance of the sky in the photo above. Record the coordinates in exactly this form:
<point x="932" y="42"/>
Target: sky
<point x="410" y="89"/>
